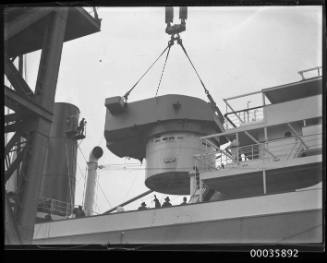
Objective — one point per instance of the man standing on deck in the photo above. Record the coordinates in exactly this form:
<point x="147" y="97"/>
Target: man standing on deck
<point x="143" y="206"/>
<point x="156" y="202"/>
<point x="184" y="201"/>
<point x="167" y="203"/>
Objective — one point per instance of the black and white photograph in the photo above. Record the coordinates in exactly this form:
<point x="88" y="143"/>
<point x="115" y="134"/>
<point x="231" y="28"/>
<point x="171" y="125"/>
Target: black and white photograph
<point x="164" y="125"/>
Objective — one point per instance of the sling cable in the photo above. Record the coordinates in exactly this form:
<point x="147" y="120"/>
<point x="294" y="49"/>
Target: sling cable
<point x="174" y="31"/>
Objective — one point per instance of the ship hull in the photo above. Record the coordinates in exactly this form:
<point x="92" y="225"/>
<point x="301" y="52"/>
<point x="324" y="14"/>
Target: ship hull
<point x="265" y="219"/>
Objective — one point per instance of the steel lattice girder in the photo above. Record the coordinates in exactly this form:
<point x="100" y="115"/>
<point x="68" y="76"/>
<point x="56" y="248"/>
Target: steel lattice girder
<point x="16" y="79"/>
<point x="12" y="127"/>
<point x="28" y="30"/>
<point x="25" y="20"/>
<point x="14" y="165"/>
<point x="12" y="142"/>
<point x="15" y="102"/>
<point x="45" y="90"/>
<point x="12" y="117"/>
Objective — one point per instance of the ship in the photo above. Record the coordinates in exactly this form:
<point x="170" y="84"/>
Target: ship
<point x="253" y="175"/>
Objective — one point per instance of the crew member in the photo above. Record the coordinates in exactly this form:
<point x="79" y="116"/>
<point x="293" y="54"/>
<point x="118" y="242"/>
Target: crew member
<point x="184" y="201"/>
<point x="81" y="126"/>
<point x="167" y="203"/>
<point x="79" y="212"/>
<point x="143" y="206"/>
<point x="156" y="202"/>
<point x="48" y="217"/>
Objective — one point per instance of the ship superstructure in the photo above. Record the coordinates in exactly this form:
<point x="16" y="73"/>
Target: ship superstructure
<point x="275" y="147"/>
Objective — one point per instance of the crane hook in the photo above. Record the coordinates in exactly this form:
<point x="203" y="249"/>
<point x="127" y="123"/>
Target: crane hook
<point x="173" y="29"/>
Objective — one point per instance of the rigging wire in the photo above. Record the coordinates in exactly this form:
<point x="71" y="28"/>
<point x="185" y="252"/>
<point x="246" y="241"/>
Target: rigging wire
<point x="144" y="168"/>
<point x="170" y="43"/>
<point x="81" y="178"/>
<point x="131" y="89"/>
<point x="79" y="148"/>
<point x="163" y="69"/>
<point x="189" y="59"/>
<point x="211" y="100"/>
<point x="105" y="197"/>
<point x="189" y="168"/>
<point x="128" y="191"/>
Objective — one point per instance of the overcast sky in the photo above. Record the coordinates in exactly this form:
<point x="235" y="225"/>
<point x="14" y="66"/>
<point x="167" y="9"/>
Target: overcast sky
<point x="235" y="49"/>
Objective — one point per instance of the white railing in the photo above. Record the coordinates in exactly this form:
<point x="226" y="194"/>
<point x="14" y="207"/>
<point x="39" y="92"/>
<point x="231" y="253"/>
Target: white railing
<point x="55" y="207"/>
<point x="282" y="149"/>
<point x="243" y="117"/>
<point x="314" y="72"/>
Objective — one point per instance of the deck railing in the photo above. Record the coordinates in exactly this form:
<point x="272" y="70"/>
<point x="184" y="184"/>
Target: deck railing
<point x="55" y="207"/>
<point x="246" y="116"/>
<point x="313" y="72"/>
<point x="282" y="148"/>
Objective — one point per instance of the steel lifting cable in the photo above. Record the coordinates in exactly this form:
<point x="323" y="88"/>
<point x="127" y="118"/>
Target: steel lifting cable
<point x="170" y="43"/>
<point x="202" y="83"/>
<point x="163" y="69"/>
<point x="179" y="41"/>
<point x="137" y="82"/>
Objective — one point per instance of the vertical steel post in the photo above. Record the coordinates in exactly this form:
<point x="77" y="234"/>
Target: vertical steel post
<point x="237" y="148"/>
<point x="263" y="99"/>
<point x="266" y="141"/>
<point x="252" y="152"/>
<point x="45" y="95"/>
<point x="264" y="181"/>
